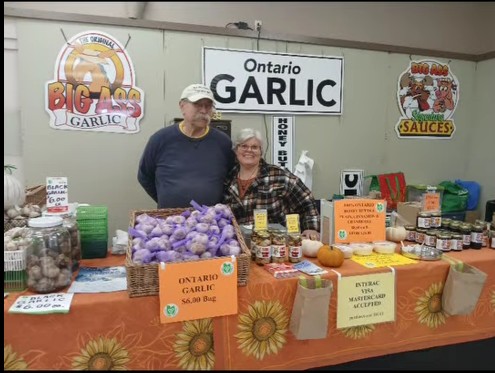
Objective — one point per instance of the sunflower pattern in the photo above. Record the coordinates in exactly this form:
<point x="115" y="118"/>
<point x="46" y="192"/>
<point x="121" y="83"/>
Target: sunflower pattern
<point x="358" y="332"/>
<point x="11" y="361"/>
<point x="262" y="329"/>
<point x="102" y="354"/>
<point x="194" y="346"/>
<point x="429" y="307"/>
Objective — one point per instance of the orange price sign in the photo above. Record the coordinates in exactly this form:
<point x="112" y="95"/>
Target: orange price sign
<point x="197" y="289"/>
<point x="431" y="201"/>
<point x="359" y="220"/>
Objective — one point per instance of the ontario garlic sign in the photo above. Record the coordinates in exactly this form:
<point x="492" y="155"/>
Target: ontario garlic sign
<point x="94" y="87"/>
<point x="427" y="94"/>
<point x="265" y="82"/>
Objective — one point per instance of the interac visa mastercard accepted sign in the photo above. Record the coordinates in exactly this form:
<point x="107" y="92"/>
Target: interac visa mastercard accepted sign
<point x="196" y="290"/>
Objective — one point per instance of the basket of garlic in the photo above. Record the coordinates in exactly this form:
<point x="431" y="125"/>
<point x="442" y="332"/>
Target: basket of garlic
<point x="16" y="217"/>
<point x="15" y="243"/>
<point x="179" y="235"/>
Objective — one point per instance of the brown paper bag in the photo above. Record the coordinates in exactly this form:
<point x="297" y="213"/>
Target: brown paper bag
<point x="462" y="289"/>
<point x="309" y="318"/>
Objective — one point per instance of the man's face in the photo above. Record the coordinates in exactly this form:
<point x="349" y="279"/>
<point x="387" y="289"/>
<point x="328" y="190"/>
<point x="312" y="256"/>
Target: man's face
<point x="198" y="113"/>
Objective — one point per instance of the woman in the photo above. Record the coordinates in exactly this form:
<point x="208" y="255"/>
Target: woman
<point x="255" y="184"/>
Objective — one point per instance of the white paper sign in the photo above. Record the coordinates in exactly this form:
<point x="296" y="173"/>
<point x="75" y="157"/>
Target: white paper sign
<point x="57" y="194"/>
<point x="42" y="304"/>
<point x="283" y="141"/>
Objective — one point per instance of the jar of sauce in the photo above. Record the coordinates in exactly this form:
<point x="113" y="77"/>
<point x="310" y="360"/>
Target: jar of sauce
<point x="443" y="241"/>
<point x="294" y="246"/>
<point x="465" y="230"/>
<point x="423" y="220"/>
<point x="477" y="236"/>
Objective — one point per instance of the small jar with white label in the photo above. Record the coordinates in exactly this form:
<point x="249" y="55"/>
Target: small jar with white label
<point x="262" y="247"/>
<point x="294" y="246"/>
<point x="279" y="247"/>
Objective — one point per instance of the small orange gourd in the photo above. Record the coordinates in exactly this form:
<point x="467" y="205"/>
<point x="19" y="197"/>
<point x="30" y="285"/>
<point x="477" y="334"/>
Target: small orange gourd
<point x="330" y="256"/>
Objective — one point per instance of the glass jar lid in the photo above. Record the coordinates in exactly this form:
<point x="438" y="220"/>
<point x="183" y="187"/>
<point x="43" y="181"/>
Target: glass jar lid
<point x="45" y="222"/>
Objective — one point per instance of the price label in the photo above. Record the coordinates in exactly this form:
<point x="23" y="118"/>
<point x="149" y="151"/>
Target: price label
<point x="431" y="201"/>
<point x="260" y="220"/>
<point x="292" y="223"/>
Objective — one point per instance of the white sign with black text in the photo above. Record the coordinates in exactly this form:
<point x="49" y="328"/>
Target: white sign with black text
<point x="283" y="141"/>
<point x="267" y="82"/>
<point x="57" y="194"/>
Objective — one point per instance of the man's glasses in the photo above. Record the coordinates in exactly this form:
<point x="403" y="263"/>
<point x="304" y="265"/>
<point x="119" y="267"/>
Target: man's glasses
<point x="253" y="148"/>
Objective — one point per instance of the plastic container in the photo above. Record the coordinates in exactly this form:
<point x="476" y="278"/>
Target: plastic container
<point x="49" y="257"/>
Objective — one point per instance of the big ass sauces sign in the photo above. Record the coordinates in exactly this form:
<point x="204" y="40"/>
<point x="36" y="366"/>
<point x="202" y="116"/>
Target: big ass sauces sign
<point x="263" y="82"/>
<point x="94" y="87"/>
<point x="427" y="94"/>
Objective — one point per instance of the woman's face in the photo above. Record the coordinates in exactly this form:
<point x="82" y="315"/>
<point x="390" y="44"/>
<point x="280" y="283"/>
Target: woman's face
<point x="249" y="152"/>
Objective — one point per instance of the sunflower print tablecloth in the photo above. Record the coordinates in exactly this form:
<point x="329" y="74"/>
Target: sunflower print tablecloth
<point x="114" y="332"/>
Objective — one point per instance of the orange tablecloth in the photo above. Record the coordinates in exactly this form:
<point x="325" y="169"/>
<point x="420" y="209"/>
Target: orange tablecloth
<point x="111" y="330"/>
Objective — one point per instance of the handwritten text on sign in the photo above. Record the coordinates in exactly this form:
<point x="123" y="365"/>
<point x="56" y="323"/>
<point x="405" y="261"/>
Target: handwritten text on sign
<point x="57" y="195"/>
<point x="367" y="299"/>
<point x="40" y="304"/>
<point x="198" y="289"/>
<point x="359" y="220"/>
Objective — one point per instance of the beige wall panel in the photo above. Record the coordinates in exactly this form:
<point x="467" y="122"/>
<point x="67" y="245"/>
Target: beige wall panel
<point x="102" y="167"/>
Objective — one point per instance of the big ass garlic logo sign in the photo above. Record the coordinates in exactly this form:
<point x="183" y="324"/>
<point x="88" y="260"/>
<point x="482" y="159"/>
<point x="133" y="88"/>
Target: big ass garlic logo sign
<point x="94" y="87"/>
<point x="427" y="94"/>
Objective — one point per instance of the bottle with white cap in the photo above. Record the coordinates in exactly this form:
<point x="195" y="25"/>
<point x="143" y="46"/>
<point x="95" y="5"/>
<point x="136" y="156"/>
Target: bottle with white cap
<point x="49" y="258"/>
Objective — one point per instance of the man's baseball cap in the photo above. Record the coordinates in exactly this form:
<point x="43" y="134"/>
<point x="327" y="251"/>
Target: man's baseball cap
<point x="196" y="92"/>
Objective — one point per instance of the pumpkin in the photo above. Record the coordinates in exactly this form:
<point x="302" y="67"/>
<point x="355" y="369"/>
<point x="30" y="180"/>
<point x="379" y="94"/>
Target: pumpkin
<point x="395" y="234"/>
<point x="13" y="192"/>
<point x="330" y="256"/>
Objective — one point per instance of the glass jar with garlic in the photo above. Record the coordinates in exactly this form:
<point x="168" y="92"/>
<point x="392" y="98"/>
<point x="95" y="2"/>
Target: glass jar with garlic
<point x="70" y="222"/>
<point x="48" y="255"/>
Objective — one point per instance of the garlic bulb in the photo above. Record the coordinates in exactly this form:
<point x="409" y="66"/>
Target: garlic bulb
<point x="13" y="192"/>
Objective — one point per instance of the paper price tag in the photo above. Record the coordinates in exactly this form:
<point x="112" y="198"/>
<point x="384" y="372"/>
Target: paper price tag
<point x="260" y="220"/>
<point x="431" y="201"/>
<point x="292" y="223"/>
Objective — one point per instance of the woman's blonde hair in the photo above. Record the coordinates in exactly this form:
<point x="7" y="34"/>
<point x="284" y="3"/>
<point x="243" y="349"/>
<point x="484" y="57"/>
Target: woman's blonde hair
<point x="248" y="133"/>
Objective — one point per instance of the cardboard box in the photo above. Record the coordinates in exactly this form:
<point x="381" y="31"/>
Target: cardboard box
<point x="409" y="211"/>
<point x="326" y="222"/>
<point x="472" y="216"/>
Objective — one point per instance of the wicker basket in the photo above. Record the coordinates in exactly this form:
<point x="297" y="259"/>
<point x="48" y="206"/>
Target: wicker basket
<point x="142" y="279"/>
<point x="36" y="195"/>
<point x="9" y="224"/>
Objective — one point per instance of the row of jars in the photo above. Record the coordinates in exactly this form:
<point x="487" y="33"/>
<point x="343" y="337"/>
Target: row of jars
<point x="53" y="253"/>
<point x="453" y="235"/>
<point x="275" y="246"/>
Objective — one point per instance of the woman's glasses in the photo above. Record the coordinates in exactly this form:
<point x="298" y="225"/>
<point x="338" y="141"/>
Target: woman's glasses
<point x="253" y="148"/>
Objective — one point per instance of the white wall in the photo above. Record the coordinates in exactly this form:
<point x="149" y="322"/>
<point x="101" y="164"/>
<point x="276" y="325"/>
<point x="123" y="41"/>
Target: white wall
<point x="12" y="126"/>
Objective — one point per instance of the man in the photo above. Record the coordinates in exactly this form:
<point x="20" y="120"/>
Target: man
<point x="189" y="160"/>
